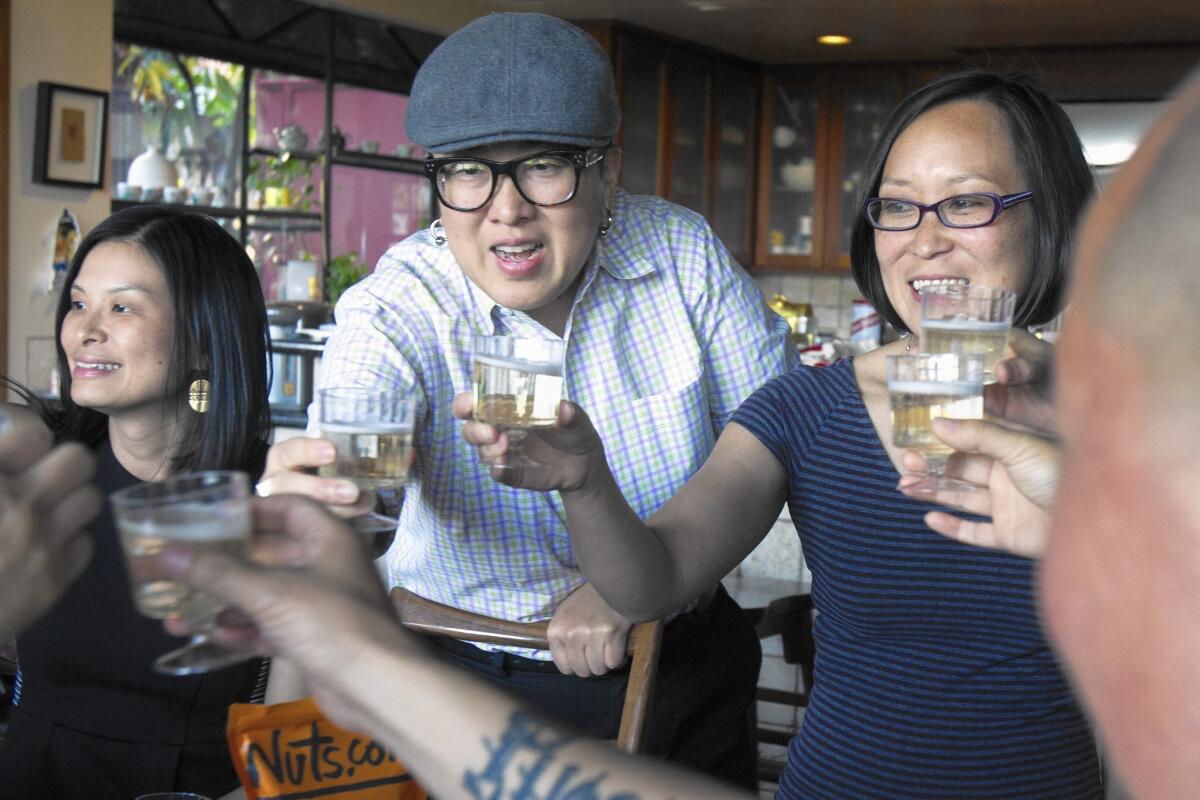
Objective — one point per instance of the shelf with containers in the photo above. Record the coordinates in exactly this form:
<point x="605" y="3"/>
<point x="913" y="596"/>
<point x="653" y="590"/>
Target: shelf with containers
<point x="366" y="199"/>
<point x="244" y="125"/>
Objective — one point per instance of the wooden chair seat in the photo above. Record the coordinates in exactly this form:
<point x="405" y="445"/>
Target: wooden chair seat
<point x="429" y="617"/>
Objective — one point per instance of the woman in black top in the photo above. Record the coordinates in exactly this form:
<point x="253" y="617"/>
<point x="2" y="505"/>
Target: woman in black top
<point x="156" y="300"/>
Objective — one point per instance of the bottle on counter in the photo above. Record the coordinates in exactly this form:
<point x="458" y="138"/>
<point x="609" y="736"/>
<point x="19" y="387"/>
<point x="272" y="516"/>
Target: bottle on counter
<point x="799" y="317"/>
<point x="864" y="325"/>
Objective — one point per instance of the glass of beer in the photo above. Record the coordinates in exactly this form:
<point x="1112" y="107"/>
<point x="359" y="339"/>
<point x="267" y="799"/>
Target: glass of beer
<point x="206" y="510"/>
<point x="967" y="319"/>
<point x="517" y="385"/>
<point x="923" y="387"/>
<point x="372" y="430"/>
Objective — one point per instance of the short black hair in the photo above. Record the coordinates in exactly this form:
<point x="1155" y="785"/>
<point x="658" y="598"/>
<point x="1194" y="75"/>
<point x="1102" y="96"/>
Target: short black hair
<point x="220" y="322"/>
<point x="1050" y="157"/>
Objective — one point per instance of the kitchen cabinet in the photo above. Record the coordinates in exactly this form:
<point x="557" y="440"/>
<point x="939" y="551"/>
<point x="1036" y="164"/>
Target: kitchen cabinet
<point x="818" y="127"/>
<point x="689" y="122"/>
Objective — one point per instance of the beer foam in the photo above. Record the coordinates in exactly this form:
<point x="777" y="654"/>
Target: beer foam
<point x="190" y="522"/>
<point x="521" y="365"/>
<point x="365" y="428"/>
<point x="941" y="388"/>
<point x="972" y="325"/>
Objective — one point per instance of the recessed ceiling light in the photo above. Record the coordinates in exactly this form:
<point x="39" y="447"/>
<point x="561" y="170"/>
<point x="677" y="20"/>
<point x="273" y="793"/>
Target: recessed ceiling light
<point x="724" y="5"/>
<point x="834" y="39"/>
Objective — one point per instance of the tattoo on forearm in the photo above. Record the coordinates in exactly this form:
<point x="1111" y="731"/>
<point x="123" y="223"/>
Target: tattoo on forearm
<point x="525" y="755"/>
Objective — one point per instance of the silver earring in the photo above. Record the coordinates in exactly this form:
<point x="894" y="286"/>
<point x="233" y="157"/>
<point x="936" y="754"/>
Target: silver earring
<point x="908" y="343"/>
<point x="437" y="232"/>
<point x="607" y="224"/>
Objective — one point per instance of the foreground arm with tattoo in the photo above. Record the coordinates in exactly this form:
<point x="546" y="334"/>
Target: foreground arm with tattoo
<point x="319" y="600"/>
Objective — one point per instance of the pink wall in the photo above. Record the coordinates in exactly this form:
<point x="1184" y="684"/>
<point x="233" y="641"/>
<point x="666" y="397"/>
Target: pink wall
<point x="372" y="209"/>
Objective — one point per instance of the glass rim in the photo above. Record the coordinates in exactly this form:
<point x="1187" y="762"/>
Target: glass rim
<point x="557" y="344"/>
<point x="150" y="493"/>
<point x="902" y="357"/>
<point x="969" y="290"/>
<point x="360" y="391"/>
<point x="974" y="363"/>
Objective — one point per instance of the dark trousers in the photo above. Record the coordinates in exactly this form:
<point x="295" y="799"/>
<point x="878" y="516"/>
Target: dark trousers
<point x="43" y="761"/>
<point x="702" y="715"/>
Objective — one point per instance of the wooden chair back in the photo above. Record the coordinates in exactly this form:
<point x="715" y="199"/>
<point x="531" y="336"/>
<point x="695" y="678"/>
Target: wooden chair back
<point x="790" y="618"/>
<point x="437" y="619"/>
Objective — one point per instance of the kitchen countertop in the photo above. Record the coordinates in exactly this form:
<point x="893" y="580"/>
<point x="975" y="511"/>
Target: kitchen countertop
<point x="297" y="346"/>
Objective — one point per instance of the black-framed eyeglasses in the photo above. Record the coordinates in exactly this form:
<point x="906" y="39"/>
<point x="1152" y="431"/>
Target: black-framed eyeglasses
<point x="548" y="178"/>
<point x="957" y="211"/>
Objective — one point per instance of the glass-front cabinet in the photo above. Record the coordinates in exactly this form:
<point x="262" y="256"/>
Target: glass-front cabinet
<point x="819" y="126"/>
<point x="790" y="216"/>
<point x="735" y="117"/>
<point x="687" y="154"/>
<point x="862" y="103"/>
<point x="642" y="74"/>
<point x="688" y="128"/>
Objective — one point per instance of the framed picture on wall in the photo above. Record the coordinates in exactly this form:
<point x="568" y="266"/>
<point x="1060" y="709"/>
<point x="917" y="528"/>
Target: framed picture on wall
<point x="68" y="145"/>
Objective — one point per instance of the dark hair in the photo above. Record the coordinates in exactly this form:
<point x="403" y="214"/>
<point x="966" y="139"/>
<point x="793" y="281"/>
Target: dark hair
<point x="1050" y="158"/>
<point x="220" y="321"/>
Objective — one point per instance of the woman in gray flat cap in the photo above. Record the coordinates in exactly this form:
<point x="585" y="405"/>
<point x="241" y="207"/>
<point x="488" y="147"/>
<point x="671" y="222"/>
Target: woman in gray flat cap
<point x="665" y="336"/>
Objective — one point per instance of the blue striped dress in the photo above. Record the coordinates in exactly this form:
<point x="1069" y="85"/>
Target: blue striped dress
<point x="932" y="677"/>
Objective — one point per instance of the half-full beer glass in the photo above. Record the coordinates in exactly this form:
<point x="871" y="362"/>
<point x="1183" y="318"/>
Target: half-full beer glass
<point x="517" y="384"/>
<point x="967" y="319"/>
<point x="923" y="387"/>
<point x="206" y="510"/>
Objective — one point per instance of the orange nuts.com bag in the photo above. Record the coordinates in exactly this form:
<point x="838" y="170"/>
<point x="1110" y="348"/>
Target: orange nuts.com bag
<point x="289" y="750"/>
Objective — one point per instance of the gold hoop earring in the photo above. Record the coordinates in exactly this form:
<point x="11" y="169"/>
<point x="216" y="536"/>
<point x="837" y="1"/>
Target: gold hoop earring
<point x="198" y="394"/>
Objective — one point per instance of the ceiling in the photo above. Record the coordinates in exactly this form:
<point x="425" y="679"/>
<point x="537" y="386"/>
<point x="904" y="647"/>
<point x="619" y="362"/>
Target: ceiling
<point x="784" y="31"/>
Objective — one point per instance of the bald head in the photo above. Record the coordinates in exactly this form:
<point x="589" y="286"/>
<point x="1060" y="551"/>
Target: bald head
<point x="1138" y="269"/>
<point x="1120" y="581"/>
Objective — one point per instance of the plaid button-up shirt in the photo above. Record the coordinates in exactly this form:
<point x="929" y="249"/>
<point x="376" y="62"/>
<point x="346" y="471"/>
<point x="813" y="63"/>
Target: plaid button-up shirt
<point x="665" y="338"/>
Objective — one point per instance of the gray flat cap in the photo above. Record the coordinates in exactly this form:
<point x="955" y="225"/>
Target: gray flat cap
<point x="513" y="77"/>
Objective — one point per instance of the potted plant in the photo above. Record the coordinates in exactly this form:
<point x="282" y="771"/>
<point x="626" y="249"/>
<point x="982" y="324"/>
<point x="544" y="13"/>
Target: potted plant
<point x="189" y="106"/>
<point x="344" y="271"/>
<point x="282" y="181"/>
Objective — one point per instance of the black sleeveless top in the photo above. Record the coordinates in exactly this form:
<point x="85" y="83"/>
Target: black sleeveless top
<point x="86" y="665"/>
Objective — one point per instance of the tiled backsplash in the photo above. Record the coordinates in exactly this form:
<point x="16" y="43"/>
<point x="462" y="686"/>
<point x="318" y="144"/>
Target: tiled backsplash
<point x="830" y="295"/>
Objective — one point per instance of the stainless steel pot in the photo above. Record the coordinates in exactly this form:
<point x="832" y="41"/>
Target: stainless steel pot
<point x="292" y="355"/>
